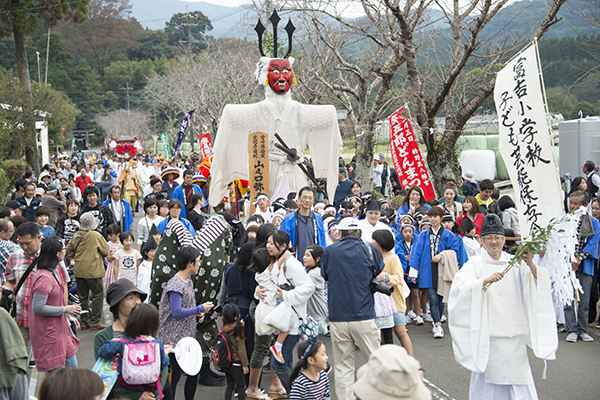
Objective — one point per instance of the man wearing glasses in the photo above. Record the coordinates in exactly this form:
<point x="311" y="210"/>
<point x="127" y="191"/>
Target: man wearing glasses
<point x="492" y="328"/>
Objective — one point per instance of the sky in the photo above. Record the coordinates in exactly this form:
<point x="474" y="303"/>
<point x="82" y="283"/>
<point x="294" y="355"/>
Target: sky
<point x="349" y="8"/>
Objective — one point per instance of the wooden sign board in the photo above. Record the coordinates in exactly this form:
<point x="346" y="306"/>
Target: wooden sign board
<point x="258" y="152"/>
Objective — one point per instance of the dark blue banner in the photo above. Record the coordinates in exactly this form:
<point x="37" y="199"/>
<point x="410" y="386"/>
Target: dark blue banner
<point x="182" y="129"/>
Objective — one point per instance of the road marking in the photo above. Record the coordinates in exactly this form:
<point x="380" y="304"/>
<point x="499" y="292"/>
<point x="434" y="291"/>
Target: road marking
<point x="436" y="392"/>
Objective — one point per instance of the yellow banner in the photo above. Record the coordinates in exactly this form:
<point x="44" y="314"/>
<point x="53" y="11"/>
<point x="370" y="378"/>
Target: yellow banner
<point x="258" y="152"/>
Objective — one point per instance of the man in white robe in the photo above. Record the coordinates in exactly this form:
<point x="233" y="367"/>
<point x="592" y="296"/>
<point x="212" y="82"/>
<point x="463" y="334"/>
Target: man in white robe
<point x="491" y="330"/>
<point x="298" y="125"/>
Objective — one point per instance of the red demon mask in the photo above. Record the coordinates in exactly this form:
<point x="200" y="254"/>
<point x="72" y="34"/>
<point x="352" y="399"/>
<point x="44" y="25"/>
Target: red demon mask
<point x="280" y="75"/>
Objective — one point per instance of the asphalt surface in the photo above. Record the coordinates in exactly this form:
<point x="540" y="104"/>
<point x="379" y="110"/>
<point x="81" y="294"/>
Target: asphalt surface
<point x="573" y="375"/>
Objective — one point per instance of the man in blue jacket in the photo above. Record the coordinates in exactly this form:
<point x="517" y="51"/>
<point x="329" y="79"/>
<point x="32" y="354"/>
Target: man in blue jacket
<point x="424" y="258"/>
<point x="29" y="202"/>
<point x="120" y="208"/>
<point x="304" y="226"/>
<point x="349" y="266"/>
<point x="184" y="192"/>
<point x="586" y="251"/>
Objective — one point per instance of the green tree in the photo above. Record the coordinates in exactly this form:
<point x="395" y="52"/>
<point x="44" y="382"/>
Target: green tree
<point x="134" y="75"/>
<point x="21" y="18"/>
<point x="559" y="101"/>
<point x="585" y="108"/>
<point x="46" y="103"/>
<point x="154" y="45"/>
<point x="189" y="29"/>
<point x="105" y="36"/>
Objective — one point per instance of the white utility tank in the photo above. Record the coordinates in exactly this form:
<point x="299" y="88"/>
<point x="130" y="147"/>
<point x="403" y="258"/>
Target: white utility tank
<point x="481" y="162"/>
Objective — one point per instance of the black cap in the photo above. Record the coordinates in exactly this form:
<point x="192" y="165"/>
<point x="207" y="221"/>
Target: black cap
<point x="154" y="230"/>
<point x="492" y="225"/>
<point x="150" y="243"/>
<point x="466" y="224"/>
<point x="119" y="289"/>
<point x="373" y="205"/>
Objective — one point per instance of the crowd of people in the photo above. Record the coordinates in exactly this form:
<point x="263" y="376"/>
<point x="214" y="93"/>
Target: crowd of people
<point x="68" y="250"/>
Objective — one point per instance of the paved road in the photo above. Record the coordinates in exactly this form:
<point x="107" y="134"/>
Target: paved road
<point x="573" y="375"/>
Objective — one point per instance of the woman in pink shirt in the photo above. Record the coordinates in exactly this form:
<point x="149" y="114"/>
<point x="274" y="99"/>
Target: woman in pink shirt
<point x="54" y="345"/>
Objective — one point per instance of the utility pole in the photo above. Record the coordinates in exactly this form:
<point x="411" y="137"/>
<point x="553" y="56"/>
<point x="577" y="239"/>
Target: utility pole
<point x="127" y="88"/>
<point x="37" y="54"/>
<point x="47" y="55"/>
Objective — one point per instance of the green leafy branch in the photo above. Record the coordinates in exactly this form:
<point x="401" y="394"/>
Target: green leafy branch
<point x="535" y="244"/>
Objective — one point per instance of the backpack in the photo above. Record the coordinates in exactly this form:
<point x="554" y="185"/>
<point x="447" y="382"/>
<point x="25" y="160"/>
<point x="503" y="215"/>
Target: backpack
<point x="141" y="362"/>
<point x="221" y="355"/>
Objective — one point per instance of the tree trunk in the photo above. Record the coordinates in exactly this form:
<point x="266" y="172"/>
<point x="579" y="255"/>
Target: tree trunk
<point x="442" y="165"/>
<point x="364" y="158"/>
<point x="23" y="71"/>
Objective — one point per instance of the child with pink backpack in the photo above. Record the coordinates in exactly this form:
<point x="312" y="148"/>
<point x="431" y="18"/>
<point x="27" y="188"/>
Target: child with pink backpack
<point x="141" y="355"/>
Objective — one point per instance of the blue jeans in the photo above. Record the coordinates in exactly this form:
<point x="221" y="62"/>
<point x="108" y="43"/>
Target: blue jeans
<point x="436" y="305"/>
<point x="69" y="362"/>
<point x="579" y="324"/>
<point x="283" y="370"/>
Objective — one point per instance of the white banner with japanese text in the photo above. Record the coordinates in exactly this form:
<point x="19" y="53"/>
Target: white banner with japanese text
<point x="525" y="141"/>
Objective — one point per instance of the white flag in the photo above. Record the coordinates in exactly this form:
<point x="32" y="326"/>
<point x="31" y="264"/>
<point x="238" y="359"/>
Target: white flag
<point x="525" y="142"/>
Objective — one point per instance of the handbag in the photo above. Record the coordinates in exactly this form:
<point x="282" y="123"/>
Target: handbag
<point x="8" y="297"/>
<point x="279" y="318"/>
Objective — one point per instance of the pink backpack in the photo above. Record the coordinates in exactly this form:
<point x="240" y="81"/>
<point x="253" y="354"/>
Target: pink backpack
<point x="140" y="363"/>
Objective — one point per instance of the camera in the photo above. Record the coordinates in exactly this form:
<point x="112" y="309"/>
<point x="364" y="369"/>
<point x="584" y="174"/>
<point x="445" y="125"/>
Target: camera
<point x="286" y="286"/>
<point x="378" y="286"/>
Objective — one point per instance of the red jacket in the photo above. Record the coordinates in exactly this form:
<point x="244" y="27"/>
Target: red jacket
<point x="84" y="182"/>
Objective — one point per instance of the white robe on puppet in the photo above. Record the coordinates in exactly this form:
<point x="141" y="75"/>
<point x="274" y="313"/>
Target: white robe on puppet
<point x="491" y="330"/>
<point x="297" y="124"/>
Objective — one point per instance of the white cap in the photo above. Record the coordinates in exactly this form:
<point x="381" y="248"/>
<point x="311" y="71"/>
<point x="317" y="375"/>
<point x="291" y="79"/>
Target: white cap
<point x="349" y="224"/>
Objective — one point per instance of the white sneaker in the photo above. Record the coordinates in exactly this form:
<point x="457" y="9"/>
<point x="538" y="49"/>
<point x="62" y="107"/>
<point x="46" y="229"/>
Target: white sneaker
<point x="419" y="321"/>
<point x="412" y="315"/>
<point x="572" y="337"/>
<point x="428" y="318"/>
<point x="438" y="332"/>
<point x="443" y="319"/>
<point x="585" y="337"/>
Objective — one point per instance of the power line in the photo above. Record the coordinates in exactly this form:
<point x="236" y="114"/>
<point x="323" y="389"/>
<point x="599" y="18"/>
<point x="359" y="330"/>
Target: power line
<point x="42" y="7"/>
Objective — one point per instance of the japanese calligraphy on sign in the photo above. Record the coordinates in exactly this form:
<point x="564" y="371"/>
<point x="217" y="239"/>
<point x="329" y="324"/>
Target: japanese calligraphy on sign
<point x="206" y="147"/>
<point x="258" y="152"/>
<point x="525" y="141"/>
<point x="408" y="161"/>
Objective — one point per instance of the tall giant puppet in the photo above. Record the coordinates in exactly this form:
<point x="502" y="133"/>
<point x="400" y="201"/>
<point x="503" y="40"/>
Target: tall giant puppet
<point x="297" y="124"/>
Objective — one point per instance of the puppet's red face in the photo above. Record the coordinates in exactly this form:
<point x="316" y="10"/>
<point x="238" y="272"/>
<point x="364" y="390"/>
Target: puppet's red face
<point x="280" y="75"/>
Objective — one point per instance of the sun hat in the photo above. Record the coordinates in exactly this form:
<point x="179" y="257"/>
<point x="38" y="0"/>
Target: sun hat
<point x="88" y="222"/>
<point x="469" y="175"/>
<point x="168" y="171"/>
<point x="390" y="374"/>
<point x="199" y="179"/>
<point x="119" y="289"/>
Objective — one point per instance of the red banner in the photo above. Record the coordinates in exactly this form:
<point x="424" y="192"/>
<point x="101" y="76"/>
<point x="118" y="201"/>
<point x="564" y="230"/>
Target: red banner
<point x="206" y="147"/>
<point x="408" y="162"/>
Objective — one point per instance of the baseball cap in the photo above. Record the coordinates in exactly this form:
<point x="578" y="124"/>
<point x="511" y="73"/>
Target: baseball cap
<point x="349" y="224"/>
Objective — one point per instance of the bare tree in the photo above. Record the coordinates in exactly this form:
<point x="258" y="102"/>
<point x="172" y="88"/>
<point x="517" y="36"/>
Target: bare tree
<point x="444" y="91"/>
<point x="448" y="64"/>
<point x="360" y="80"/>
<point x="221" y="75"/>
<point x="122" y="122"/>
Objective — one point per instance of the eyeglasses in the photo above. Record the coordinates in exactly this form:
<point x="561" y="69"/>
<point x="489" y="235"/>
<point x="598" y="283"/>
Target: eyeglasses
<point x="493" y="238"/>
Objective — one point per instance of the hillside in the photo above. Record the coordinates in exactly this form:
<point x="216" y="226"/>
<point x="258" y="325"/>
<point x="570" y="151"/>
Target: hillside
<point x="153" y="14"/>
<point x="227" y="21"/>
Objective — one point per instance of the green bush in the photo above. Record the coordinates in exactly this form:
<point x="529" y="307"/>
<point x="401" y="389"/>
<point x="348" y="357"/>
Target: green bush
<point x="10" y="171"/>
